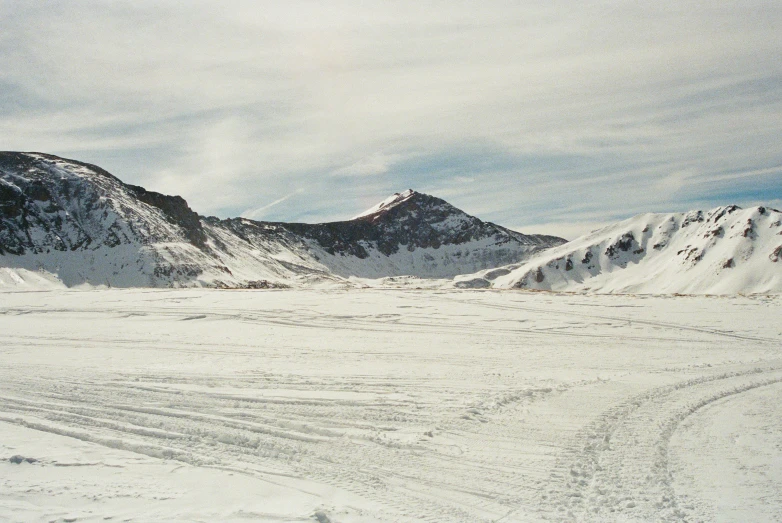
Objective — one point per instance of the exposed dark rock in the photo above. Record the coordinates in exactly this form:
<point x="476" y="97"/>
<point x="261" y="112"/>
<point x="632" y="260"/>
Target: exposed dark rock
<point x="692" y="217"/>
<point x="692" y="254"/>
<point x="587" y="257"/>
<point x="723" y="212"/>
<point x="418" y="221"/>
<point x="177" y="211"/>
<point x="749" y="229"/>
<point x="264" y="284"/>
<point x="624" y="244"/>
<point x="496" y="273"/>
<point x="18" y="460"/>
<point x="475" y="283"/>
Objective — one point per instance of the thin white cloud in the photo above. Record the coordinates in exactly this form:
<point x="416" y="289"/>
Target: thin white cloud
<point x="675" y="181"/>
<point x="261" y="211"/>
<point x="369" y="166"/>
<point x="602" y="107"/>
<point x="569" y="231"/>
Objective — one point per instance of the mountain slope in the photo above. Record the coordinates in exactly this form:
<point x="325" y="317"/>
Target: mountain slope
<point x="722" y="251"/>
<point x="83" y="224"/>
<point x="80" y="223"/>
<point x="412" y="233"/>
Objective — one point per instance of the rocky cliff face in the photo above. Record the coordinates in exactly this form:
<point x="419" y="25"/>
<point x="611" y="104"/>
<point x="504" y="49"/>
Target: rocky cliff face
<point x="79" y="222"/>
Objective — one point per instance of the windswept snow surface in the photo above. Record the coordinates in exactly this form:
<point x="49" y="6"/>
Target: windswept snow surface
<point x="388" y="405"/>
<point x="22" y="279"/>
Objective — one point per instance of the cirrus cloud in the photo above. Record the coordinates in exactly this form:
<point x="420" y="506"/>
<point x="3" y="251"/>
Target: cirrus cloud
<point x="557" y="113"/>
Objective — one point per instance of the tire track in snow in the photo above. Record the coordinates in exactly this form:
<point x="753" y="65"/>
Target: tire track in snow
<point x="370" y="323"/>
<point x="623" y="319"/>
<point x="617" y="467"/>
<point x="303" y="404"/>
<point x="426" y="485"/>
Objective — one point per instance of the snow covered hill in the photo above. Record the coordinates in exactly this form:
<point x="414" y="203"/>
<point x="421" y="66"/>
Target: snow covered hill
<point x="64" y="222"/>
<point x="725" y="250"/>
<point x="84" y="225"/>
<point x="80" y="224"/>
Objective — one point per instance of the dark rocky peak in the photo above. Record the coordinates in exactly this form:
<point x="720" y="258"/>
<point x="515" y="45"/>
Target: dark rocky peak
<point x="177" y="211"/>
<point x="410" y="220"/>
<point x="414" y="205"/>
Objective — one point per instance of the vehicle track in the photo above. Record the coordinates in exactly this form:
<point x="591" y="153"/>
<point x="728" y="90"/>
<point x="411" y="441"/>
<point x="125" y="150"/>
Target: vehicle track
<point x="293" y="439"/>
<point x="473" y="413"/>
<point x="372" y="323"/>
<point x="628" y="319"/>
<point x="617" y="467"/>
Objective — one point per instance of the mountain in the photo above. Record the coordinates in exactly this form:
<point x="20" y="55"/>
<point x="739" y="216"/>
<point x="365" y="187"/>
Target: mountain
<point x="80" y="223"/>
<point x="726" y="250"/>
<point x="412" y="233"/>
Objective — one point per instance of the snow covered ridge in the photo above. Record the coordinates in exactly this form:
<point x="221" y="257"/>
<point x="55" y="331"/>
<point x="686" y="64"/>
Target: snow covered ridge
<point x="77" y="224"/>
<point x="726" y="250"/>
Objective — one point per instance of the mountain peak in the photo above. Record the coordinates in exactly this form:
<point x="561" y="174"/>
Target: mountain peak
<point x="387" y="204"/>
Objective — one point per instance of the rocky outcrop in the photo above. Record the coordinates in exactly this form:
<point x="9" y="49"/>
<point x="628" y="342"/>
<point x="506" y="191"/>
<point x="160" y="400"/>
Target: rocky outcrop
<point x="412" y="220"/>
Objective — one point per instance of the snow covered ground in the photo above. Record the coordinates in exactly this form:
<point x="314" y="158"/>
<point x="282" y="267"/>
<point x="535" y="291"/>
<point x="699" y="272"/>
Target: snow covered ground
<point x="388" y="405"/>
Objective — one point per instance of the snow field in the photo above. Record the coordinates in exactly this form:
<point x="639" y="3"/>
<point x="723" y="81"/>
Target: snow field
<point x="388" y="405"/>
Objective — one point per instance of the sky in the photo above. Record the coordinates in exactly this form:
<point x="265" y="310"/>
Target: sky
<point x="546" y="117"/>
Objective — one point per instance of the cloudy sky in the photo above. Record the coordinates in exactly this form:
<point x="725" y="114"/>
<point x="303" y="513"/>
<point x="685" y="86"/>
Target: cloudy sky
<point x="542" y="116"/>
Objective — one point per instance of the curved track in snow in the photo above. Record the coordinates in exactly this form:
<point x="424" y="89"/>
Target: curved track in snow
<point x="618" y="466"/>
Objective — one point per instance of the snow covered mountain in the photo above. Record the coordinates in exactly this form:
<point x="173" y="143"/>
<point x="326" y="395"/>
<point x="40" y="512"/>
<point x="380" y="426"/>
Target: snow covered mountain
<point x="418" y="234"/>
<point x="81" y="223"/>
<point x="725" y="250"/>
<point x="75" y="223"/>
